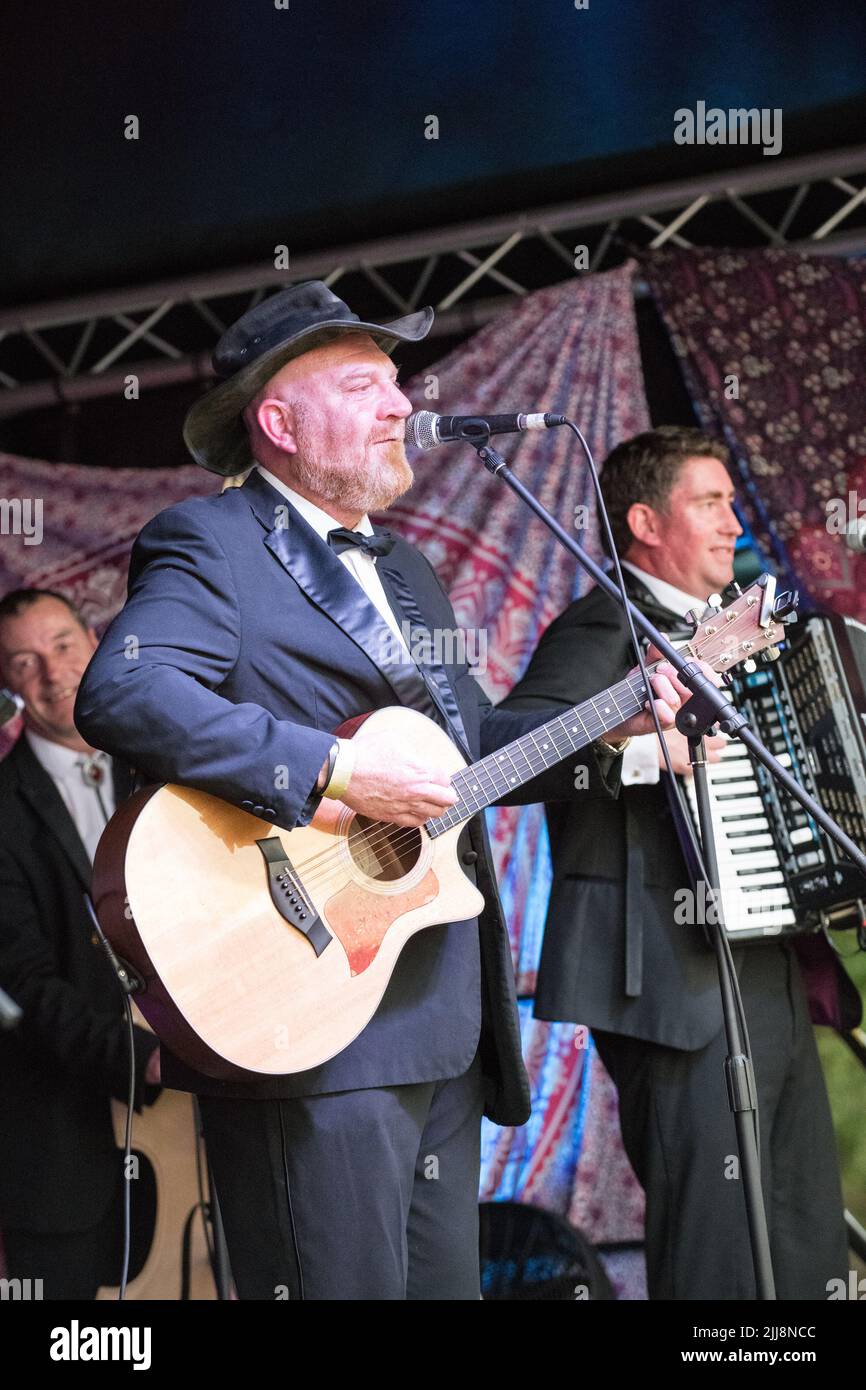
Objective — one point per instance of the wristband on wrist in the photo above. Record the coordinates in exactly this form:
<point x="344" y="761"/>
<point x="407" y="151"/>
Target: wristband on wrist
<point x="344" y="766"/>
<point x="329" y="770"/>
<point x="616" y="748"/>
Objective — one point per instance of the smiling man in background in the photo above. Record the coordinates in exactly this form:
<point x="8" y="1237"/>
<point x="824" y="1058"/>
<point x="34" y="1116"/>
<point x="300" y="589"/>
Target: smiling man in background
<point x="614" y="957"/>
<point x="60" y="1168"/>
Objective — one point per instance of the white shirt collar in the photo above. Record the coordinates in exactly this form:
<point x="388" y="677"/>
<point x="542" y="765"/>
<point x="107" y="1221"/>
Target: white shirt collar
<point x="320" y="520"/>
<point x="673" y="599"/>
<point x="58" y="760"/>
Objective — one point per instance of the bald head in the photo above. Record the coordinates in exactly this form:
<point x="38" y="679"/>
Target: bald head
<point x="286" y="386"/>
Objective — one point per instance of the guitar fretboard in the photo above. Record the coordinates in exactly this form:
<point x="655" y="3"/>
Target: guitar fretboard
<point x="493" y="777"/>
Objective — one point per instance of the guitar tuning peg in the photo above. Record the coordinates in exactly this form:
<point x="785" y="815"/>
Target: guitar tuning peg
<point x="750" y="665"/>
<point x="692" y="617"/>
<point x="713" y="608"/>
<point x="735" y="589"/>
<point x="785" y="607"/>
<point x="770" y="654"/>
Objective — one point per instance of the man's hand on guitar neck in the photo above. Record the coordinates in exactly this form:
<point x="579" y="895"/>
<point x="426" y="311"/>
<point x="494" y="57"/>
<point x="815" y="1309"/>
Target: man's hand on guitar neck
<point x="393" y="780"/>
<point x="670" y="694"/>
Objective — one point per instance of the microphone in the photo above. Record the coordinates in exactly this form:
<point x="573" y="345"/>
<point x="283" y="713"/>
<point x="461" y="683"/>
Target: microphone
<point x="10" y="706"/>
<point x="425" y="430"/>
<point x="855" y="534"/>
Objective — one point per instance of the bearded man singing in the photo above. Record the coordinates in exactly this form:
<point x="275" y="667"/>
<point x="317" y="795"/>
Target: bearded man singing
<point x="262" y="621"/>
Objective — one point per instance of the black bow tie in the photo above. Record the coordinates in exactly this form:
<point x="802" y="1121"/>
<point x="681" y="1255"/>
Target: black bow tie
<point x="371" y="545"/>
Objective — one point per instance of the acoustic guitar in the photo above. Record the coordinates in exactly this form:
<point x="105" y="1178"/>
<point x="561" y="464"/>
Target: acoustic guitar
<point x="266" y="951"/>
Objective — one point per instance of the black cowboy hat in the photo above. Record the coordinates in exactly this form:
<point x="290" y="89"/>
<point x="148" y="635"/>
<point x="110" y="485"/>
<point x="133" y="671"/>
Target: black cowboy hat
<point x="261" y="342"/>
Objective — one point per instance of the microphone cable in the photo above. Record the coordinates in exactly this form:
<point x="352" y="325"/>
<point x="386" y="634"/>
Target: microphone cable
<point x="128" y="983"/>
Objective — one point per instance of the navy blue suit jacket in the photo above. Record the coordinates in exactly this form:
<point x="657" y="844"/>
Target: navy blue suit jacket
<point x="243" y="644"/>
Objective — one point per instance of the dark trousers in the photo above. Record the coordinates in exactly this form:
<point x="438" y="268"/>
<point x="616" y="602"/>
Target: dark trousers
<point x="680" y="1138"/>
<point x="365" y="1195"/>
<point x="72" y="1265"/>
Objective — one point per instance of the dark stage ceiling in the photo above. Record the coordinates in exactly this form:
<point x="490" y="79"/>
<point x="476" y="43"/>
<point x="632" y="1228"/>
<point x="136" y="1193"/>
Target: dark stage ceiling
<point x="305" y="125"/>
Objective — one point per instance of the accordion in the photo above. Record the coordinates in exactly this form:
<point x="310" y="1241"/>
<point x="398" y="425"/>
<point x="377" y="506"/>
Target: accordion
<point x="779" y="873"/>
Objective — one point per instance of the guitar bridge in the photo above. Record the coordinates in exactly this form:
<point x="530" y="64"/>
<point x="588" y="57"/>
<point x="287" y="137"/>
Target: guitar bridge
<point x="289" y="898"/>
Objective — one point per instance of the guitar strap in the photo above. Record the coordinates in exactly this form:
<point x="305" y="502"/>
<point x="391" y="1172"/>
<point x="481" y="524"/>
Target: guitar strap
<point x="438" y="686"/>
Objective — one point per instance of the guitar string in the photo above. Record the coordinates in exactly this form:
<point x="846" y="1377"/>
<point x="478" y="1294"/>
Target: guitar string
<point x="365" y="834"/>
<point x="406" y="833"/>
<point x="388" y="826"/>
<point x="382" y="831"/>
<point x="482" y="771"/>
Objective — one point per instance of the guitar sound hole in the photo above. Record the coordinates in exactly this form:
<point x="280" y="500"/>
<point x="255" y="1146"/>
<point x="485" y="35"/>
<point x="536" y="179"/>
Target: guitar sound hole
<point x="384" y="852"/>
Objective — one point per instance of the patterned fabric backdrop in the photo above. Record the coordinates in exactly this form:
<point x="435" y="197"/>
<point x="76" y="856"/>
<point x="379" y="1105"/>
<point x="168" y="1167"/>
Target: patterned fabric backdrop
<point x="791" y="328"/>
<point x="571" y="349"/>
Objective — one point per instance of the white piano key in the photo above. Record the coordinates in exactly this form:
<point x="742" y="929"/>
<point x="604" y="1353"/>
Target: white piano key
<point x="758" y="877"/>
<point x="763" y="898"/>
<point x="803" y="836"/>
<point x="758" y="859"/>
<point x="766" y="925"/>
<point x="737" y="825"/>
<point x="743" y="911"/>
<point x="755" y="897"/>
<point x="751" y="805"/>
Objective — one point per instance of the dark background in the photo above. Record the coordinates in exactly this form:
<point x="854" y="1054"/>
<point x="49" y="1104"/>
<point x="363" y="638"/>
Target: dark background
<point x="305" y="126"/>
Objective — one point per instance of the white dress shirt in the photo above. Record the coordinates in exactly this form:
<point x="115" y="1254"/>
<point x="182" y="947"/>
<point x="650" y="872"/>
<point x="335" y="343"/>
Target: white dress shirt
<point x="80" y="796"/>
<point x="640" y="761"/>
<point x="360" y="565"/>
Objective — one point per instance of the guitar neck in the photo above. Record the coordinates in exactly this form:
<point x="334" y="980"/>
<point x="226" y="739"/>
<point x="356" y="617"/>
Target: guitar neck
<point x="487" y="781"/>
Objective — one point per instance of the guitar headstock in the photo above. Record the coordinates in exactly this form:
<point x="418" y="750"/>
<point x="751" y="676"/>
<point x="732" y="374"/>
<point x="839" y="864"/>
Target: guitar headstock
<point x="753" y="623"/>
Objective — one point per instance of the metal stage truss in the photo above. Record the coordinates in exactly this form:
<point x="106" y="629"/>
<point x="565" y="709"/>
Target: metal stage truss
<point x="162" y="333"/>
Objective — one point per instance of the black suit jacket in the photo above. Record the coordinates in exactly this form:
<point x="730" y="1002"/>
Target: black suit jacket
<point x="613" y="956"/>
<point x="68" y="1057"/>
<point x="243" y="644"/>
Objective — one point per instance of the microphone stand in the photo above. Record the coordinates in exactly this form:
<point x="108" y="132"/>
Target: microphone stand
<point x="707" y="707"/>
